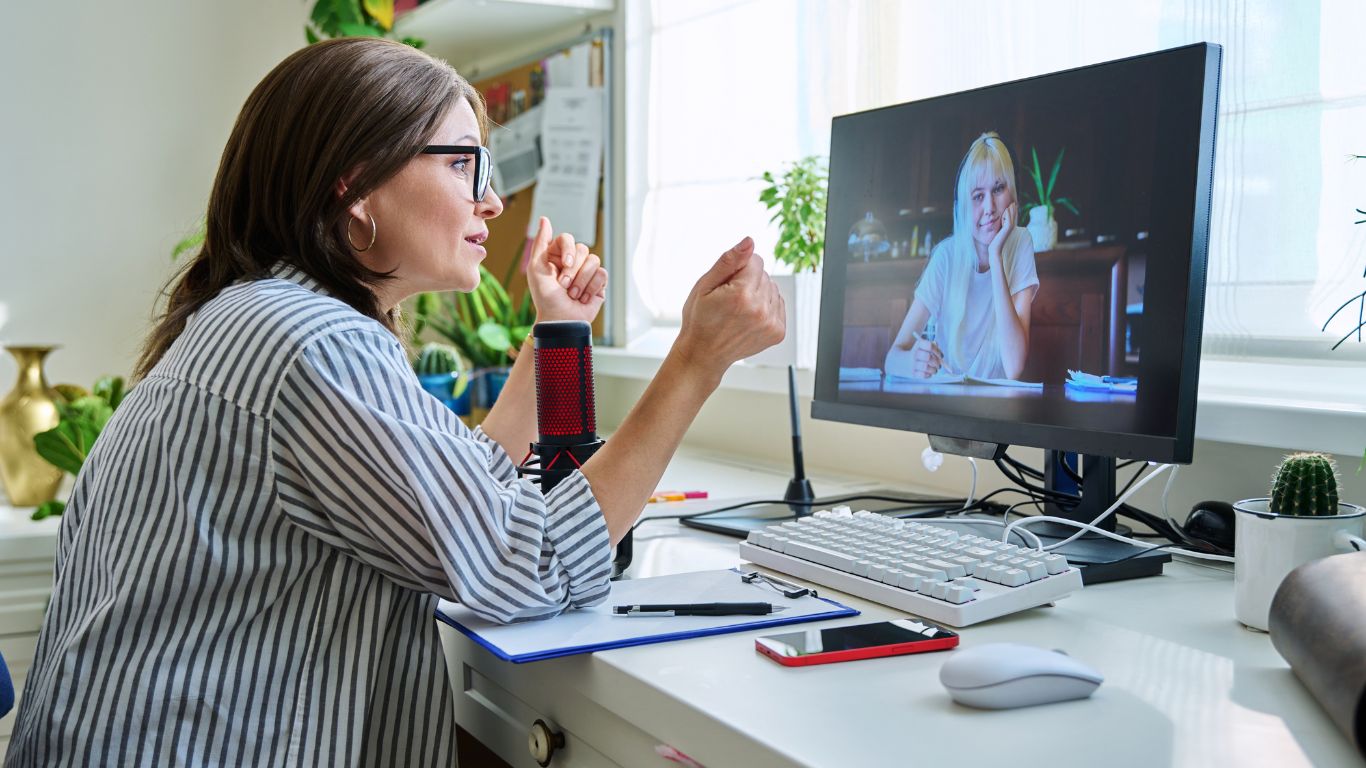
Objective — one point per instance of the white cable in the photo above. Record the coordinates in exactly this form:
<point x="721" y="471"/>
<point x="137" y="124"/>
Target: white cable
<point x="1025" y="533"/>
<point x="1168" y="489"/>
<point x="1084" y="527"/>
<point x="1117" y="537"/>
<point x="972" y="489"/>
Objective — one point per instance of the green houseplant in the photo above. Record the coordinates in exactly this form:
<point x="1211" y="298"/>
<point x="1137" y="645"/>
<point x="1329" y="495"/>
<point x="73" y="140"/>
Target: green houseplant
<point x="1042" y="225"/>
<point x="486" y="325"/>
<point x="82" y="418"/>
<point x="354" y="18"/>
<point x="797" y="196"/>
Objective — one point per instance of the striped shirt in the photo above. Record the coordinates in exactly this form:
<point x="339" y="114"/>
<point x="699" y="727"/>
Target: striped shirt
<point x="250" y="560"/>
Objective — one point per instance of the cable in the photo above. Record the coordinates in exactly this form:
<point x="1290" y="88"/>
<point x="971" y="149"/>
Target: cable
<point x="923" y="501"/>
<point x="1118" y="502"/>
<point x="1132" y="480"/>
<point x="960" y="521"/>
<point x="972" y="489"/>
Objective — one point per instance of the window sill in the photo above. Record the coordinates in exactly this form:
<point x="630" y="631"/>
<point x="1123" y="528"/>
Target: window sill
<point x="1299" y="405"/>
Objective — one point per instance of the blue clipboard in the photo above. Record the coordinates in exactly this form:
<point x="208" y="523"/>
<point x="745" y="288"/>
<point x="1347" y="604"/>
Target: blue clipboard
<point x="586" y="630"/>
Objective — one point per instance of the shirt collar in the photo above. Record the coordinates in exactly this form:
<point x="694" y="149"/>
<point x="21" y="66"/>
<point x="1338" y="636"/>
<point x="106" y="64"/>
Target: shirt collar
<point x="293" y="274"/>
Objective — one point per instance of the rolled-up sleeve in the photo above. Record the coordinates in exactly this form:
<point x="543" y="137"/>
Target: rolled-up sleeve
<point x="371" y="464"/>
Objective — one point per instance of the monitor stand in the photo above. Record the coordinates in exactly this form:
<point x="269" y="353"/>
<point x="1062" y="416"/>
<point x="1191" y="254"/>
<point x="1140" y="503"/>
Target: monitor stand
<point x="1099" y="558"/>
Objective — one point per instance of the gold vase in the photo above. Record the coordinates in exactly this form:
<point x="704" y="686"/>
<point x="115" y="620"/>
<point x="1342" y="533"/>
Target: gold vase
<point x="29" y="408"/>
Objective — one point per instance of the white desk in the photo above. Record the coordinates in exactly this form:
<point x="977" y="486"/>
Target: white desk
<point x="1185" y="685"/>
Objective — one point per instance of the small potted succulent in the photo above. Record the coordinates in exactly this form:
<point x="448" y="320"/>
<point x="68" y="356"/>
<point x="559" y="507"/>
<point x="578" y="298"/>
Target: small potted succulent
<point x="1302" y="520"/>
<point x="486" y="325"/>
<point x="442" y="374"/>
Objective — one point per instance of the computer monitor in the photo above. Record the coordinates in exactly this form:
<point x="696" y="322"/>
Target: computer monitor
<point x="1069" y="322"/>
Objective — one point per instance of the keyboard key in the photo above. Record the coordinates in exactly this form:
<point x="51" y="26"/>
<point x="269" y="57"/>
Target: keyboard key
<point x="958" y="595"/>
<point x="820" y="555"/>
<point x="1014" y="577"/>
<point x="925" y="572"/>
<point x="1055" y="563"/>
<point x="908" y="580"/>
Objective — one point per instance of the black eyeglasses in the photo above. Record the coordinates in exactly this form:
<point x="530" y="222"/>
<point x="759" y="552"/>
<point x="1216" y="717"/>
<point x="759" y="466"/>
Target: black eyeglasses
<point x="483" y="163"/>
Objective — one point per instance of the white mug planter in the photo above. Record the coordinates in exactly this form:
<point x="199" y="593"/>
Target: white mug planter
<point x="1268" y="546"/>
<point x="802" y="295"/>
<point x="1042" y="228"/>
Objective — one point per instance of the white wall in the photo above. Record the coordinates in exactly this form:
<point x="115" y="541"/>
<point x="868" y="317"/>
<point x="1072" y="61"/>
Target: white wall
<point x="754" y="424"/>
<point x="113" y="116"/>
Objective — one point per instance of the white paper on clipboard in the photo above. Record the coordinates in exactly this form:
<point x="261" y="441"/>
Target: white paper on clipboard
<point x="571" y="149"/>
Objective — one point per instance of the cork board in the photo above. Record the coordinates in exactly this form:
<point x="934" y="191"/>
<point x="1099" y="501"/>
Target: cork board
<point x="507" y="244"/>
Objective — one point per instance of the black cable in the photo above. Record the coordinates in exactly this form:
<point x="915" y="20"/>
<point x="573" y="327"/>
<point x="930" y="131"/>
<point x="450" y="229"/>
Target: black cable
<point x="1064" y="499"/>
<point x="923" y="501"/>
<point x="1023" y="467"/>
<point x="1137" y="474"/>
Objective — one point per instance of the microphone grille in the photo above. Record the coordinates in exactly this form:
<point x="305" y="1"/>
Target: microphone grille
<point x="565" y="403"/>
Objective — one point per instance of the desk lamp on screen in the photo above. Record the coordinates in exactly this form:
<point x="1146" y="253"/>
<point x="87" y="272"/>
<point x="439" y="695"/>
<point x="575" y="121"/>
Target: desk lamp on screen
<point x="1044" y="280"/>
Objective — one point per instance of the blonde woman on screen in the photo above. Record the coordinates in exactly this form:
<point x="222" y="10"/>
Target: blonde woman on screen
<point x="979" y="284"/>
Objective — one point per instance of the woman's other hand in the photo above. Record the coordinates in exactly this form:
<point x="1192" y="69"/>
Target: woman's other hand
<point x="566" y="281"/>
<point x="926" y="358"/>
<point x="1007" y="226"/>
<point x="733" y="312"/>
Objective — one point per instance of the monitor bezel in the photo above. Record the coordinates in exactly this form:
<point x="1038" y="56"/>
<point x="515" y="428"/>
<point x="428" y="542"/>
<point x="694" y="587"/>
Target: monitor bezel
<point x="1177" y="448"/>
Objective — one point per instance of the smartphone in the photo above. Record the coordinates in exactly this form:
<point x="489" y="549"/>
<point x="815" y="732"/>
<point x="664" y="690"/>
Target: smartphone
<point x="861" y="641"/>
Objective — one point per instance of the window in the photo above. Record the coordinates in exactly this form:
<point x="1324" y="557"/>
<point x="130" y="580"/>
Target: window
<point x="759" y="80"/>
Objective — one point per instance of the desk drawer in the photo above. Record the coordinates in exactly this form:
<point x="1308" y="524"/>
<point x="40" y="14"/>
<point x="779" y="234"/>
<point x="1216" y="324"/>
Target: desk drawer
<point x="493" y="705"/>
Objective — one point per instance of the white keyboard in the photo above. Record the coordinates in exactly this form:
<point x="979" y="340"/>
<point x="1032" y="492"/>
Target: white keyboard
<point x="936" y="572"/>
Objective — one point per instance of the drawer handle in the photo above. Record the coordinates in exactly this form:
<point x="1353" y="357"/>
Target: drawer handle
<point x="543" y="742"/>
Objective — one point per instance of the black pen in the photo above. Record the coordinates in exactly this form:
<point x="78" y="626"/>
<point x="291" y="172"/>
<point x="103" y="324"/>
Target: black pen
<point x="697" y="609"/>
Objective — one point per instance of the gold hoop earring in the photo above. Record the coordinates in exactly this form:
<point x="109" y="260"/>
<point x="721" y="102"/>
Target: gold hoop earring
<point x="373" y="233"/>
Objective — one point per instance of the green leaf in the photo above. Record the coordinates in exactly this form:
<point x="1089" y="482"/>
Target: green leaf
<point x="354" y="29"/>
<point x="110" y="389"/>
<point x="63" y="446"/>
<point x="48" y="509"/>
<point x="347" y="11"/>
<point x="1066" y="203"/>
<point x="311" y="37"/>
<point x="1037" y="175"/>
<point x="189" y="242"/>
<point x="496" y="337"/>
<point x="419" y="44"/>
<point x="1053" y="176"/>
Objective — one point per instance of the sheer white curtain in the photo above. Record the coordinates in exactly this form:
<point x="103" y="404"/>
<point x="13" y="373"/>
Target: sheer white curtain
<point x="736" y="87"/>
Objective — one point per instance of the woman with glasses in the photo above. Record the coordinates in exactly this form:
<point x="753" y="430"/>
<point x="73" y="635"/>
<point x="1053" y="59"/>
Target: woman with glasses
<point x="251" y="557"/>
<point x="978" y="288"/>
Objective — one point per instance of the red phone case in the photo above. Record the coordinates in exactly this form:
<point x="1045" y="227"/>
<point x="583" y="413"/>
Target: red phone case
<point x="871" y="652"/>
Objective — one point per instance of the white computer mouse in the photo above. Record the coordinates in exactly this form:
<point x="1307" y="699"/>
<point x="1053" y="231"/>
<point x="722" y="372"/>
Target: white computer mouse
<point x="1008" y="675"/>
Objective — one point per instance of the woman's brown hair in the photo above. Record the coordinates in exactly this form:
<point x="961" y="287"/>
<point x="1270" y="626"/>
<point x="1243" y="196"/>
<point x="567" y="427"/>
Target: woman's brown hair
<point x="352" y="105"/>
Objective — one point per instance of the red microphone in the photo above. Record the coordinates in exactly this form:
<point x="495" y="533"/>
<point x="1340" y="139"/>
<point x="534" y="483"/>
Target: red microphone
<point x="565" y="407"/>
<point x="566" y="412"/>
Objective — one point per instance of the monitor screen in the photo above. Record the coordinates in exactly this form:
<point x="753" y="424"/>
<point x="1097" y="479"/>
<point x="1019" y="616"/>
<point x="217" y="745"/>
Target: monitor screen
<point x="1025" y="263"/>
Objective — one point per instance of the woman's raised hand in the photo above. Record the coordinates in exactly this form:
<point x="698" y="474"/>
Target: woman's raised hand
<point x="566" y="281"/>
<point x="733" y="312"/>
<point x="1007" y="226"/>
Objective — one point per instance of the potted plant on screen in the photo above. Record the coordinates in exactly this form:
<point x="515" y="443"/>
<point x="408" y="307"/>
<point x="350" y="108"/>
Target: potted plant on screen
<point x="1042" y="227"/>
<point x="797" y="197"/>
<point x="486" y="325"/>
